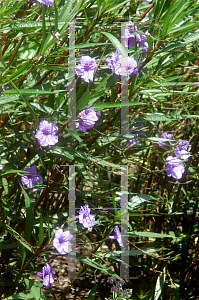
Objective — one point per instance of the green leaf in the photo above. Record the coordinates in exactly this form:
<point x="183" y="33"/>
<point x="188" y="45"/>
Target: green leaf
<point x="9" y="246"/>
<point x="63" y="15"/>
<point x="92" y="293"/>
<point x="151" y="234"/>
<point x="95" y="265"/>
<point x="159" y="284"/>
<point x="139" y="199"/>
<point x="21" y="296"/>
<point x="61" y="152"/>
<point x="17" y="236"/>
<point x="116" y="104"/>
<point x="116" y="43"/>
<point x="5" y="185"/>
<point x="165" y="117"/>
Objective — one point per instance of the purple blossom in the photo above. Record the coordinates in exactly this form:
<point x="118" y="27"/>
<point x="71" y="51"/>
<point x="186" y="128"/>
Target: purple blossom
<point x="147" y="0"/>
<point x="3" y="89"/>
<point x="128" y="3"/>
<point x="46" y="134"/>
<point x="111" y="279"/>
<point x="118" y="236"/>
<point x="86" y="68"/>
<point x="130" y="37"/>
<point x="85" y="218"/>
<point x="30" y="177"/>
<point x="174" y="167"/>
<point x="46" y="2"/>
<point x="131" y="142"/>
<point x="1" y="167"/>
<point x="166" y="135"/>
<point x="62" y="241"/>
<point x="57" y="34"/>
<point x="86" y="119"/>
<point x="47" y="275"/>
<point x="181" y="150"/>
<point x="114" y="63"/>
<point x="138" y="132"/>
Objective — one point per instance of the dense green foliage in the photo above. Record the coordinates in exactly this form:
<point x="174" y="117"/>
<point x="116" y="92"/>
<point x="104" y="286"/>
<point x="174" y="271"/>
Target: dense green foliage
<point x="163" y="211"/>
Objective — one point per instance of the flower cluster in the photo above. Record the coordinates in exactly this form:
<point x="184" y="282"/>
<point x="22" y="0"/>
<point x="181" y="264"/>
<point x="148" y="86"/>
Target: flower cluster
<point x="114" y="63"/>
<point x="117" y="289"/>
<point x="86" y="119"/>
<point x="130" y="38"/>
<point x="85" y="218"/>
<point x="174" y="167"/>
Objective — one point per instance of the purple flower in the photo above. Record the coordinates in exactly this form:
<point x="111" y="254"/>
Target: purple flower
<point x="85" y="218"/>
<point x="174" y="167"/>
<point x="86" y="119"/>
<point x="1" y="167"/>
<point x="128" y="3"/>
<point x="47" y="275"/>
<point x="46" y="2"/>
<point x="46" y="134"/>
<point x="30" y="177"/>
<point x="117" y="236"/>
<point x="62" y="241"/>
<point x="3" y="89"/>
<point x="130" y="37"/>
<point x="114" y="63"/>
<point x="138" y="132"/>
<point x="57" y="34"/>
<point x="181" y="150"/>
<point x="86" y="68"/>
<point x="131" y="142"/>
<point x="166" y="135"/>
<point x="111" y="279"/>
<point x="147" y="0"/>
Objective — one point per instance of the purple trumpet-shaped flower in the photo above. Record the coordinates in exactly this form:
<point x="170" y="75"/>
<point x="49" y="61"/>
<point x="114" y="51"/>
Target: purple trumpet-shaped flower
<point x="86" y="119"/>
<point x="62" y="241"/>
<point x="118" y="236"/>
<point x="130" y="37"/>
<point x="46" y="134"/>
<point x="114" y="63"/>
<point x="46" y="2"/>
<point x="86" y="68"/>
<point x="181" y="150"/>
<point x="47" y="275"/>
<point x="138" y="132"/>
<point x="174" y="167"/>
<point x="85" y="217"/>
<point x="166" y="135"/>
<point x="30" y="177"/>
